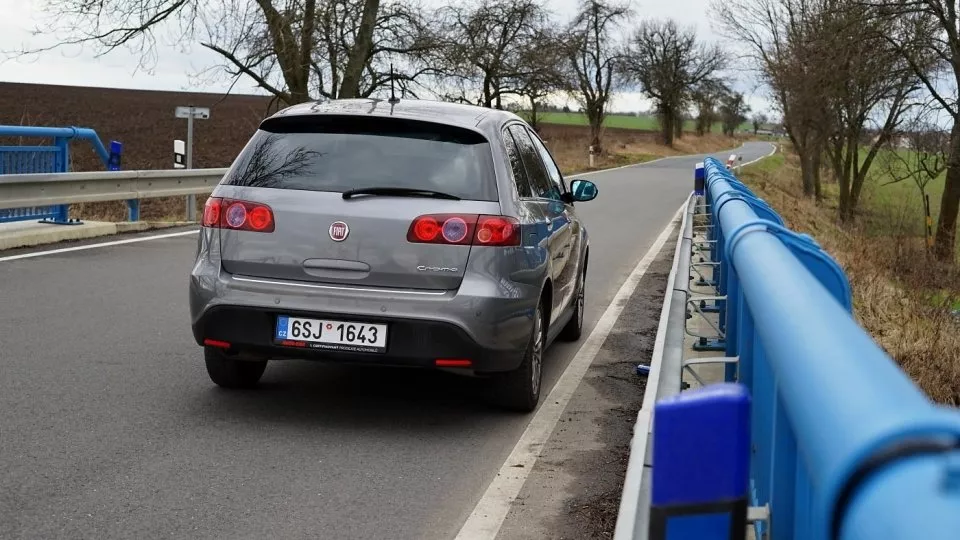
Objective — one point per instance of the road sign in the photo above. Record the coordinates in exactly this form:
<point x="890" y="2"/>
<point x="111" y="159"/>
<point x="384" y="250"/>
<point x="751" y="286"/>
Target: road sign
<point x="179" y="154"/>
<point x="200" y="113"/>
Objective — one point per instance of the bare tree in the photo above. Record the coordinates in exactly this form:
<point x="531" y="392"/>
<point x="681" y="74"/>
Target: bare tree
<point x="865" y="86"/>
<point x="546" y="73"/>
<point x="669" y="63"/>
<point x="733" y="112"/>
<point x="295" y="50"/>
<point x="918" y="154"/>
<point x="595" y="57"/>
<point x="918" y="30"/>
<point x="759" y="121"/>
<point x="706" y="97"/>
<point x="774" y="34"/>
<point x="487" y="46"/>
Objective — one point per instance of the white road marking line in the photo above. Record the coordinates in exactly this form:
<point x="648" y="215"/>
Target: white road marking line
<point x="94" y="246"/>
<point x="772" y="152"/>
<point x="487" y="517"/>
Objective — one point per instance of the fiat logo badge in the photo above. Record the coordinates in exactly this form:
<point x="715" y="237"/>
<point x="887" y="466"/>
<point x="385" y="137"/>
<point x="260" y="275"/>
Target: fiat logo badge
<point x="339" y="231"/>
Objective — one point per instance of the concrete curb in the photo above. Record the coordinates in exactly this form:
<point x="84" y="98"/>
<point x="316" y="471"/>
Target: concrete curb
<point x="37" y="234"/>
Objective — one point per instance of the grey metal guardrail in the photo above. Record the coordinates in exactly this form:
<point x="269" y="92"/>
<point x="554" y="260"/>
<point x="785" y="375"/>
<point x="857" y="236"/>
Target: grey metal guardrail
<point x="27" y="190"/>
<point x="664" y="379"/>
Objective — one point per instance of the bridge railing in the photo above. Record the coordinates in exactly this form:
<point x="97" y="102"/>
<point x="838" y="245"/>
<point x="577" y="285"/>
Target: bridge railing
<point x="55" y="158"/>
<point x="842" y="444"/>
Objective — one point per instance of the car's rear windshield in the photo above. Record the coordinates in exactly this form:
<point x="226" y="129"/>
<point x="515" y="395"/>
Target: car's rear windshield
<point x="341" y="153"/>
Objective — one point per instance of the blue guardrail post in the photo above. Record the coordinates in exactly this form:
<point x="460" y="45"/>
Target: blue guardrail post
<point x="701" y="460"/>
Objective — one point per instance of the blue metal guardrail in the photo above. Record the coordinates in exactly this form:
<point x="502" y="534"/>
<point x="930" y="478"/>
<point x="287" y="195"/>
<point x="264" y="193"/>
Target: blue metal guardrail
<point x="48" y="159"/>
<point x="842" y="444"/>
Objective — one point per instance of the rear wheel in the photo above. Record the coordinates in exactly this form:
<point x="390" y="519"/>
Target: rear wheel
<point x="519" y="390"/>
<point x="231" y="372"/>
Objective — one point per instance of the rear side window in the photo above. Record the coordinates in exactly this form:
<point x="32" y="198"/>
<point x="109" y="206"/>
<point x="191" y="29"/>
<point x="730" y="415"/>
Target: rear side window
<point x="516" y="164"/>
<point x="340" y="153"/>
<point x="542" y="186"/>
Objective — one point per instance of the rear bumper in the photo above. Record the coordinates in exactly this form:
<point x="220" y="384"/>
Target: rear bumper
<point x="487" y="320"/>
<point x="410" y="343"/>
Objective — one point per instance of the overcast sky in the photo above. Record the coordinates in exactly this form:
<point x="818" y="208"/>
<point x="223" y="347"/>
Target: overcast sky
<point x="174" y="69"/>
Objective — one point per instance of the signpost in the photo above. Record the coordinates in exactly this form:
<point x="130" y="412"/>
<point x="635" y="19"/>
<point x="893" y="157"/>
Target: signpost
<point x="190" y="113"/>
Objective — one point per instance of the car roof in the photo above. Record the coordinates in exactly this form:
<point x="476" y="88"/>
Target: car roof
<point x="454" y="114"/>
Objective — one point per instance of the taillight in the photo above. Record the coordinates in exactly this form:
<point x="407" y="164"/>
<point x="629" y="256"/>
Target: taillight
<point x="442" y="229"/>
<point x="461" y="229"/>
<point x="498" y="231"/>
<point x="237" y="215"/>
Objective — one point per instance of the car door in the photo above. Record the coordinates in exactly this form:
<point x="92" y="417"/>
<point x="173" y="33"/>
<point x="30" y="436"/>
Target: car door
<point x="572" y="237"/>
<point x="556" y="221"/>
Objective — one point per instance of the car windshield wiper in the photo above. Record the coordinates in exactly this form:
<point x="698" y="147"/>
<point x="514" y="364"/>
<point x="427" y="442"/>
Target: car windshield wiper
<point x="399" y="192"/>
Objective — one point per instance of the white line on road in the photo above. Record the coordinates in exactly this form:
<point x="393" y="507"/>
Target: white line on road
<point x="94" y="246"/>
<point x="487" y="517"/>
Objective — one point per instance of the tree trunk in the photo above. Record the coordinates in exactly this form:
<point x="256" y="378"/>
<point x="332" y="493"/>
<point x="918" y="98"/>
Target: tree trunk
<point x="360" y="52"/>
<point x="678" y="127"/>
<point x="945" y="242"/>
<point x="806" y="170"/>
<point x="666" y="124"/>
<point x="534" y="117"/>
<point x="595" y="117"/>
<point x="816" y="159"/>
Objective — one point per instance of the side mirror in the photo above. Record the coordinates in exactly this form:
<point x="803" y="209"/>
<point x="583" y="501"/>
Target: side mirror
<point x="583" y="190"/>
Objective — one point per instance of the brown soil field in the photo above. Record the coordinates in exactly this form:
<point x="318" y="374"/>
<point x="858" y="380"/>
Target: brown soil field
<point x="143" y="120"/>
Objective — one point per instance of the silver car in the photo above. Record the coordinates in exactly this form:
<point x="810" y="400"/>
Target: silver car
<point x="411" y="233"/>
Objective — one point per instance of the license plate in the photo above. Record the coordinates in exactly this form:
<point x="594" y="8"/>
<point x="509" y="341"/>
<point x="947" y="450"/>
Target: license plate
<point x="331" y="335"/>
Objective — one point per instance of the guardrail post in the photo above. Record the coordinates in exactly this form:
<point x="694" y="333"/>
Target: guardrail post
<point x="701" y="454"/>
<point x="61" y="212"/>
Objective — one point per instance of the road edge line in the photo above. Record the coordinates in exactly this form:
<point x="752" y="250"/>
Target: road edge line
<point x="98" y="245"/>
<point x="493" y="507"/>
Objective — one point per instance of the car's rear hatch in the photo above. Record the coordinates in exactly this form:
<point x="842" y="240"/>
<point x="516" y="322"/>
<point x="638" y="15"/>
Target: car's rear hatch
<point x="300" y="168"/>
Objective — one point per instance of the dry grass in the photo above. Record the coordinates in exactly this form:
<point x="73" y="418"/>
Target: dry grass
<point x="901" y="296"/>
<point x="569" y="145"/>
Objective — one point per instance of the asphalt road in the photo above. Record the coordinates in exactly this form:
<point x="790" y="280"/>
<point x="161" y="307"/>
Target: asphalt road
<point x="110" y="427"/>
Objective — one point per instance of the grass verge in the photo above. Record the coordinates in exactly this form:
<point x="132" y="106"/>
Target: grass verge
<point x="904" y="298"/>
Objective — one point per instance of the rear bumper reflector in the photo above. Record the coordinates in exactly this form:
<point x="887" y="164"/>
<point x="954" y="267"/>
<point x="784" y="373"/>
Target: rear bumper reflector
<point x="443" y="362"/>
<point x="216" y="343"/>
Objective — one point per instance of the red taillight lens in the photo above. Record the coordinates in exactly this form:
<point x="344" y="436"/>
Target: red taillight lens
<point x="260" y="218"/>
<point x="425" y="229"/>
<point x="460" y="229"/>
<point x="498" y="231"/>
<point x="442" y="229"/>
<point x="211" y="212"/>
<point x="237" y="215"/>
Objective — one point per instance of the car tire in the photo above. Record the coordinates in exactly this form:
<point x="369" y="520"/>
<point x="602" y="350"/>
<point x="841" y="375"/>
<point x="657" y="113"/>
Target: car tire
<point x="230" y="372"/>
<point x="519" y="390"/>
<point x="574" y="328"/>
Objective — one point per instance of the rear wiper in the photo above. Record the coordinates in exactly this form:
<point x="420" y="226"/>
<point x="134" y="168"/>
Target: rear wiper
<point x="399" y="192"/>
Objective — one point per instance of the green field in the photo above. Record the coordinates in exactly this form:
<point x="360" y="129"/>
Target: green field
<point x="622" y="121"/>
<point x="901" y="200"/>
<point x="890" y="209"/>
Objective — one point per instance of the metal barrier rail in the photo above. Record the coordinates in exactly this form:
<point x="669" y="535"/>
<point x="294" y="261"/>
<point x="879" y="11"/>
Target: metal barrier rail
<point x="843" y="445"/>
<point x="55" y="158"/>
<point x="33" y="190"/>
